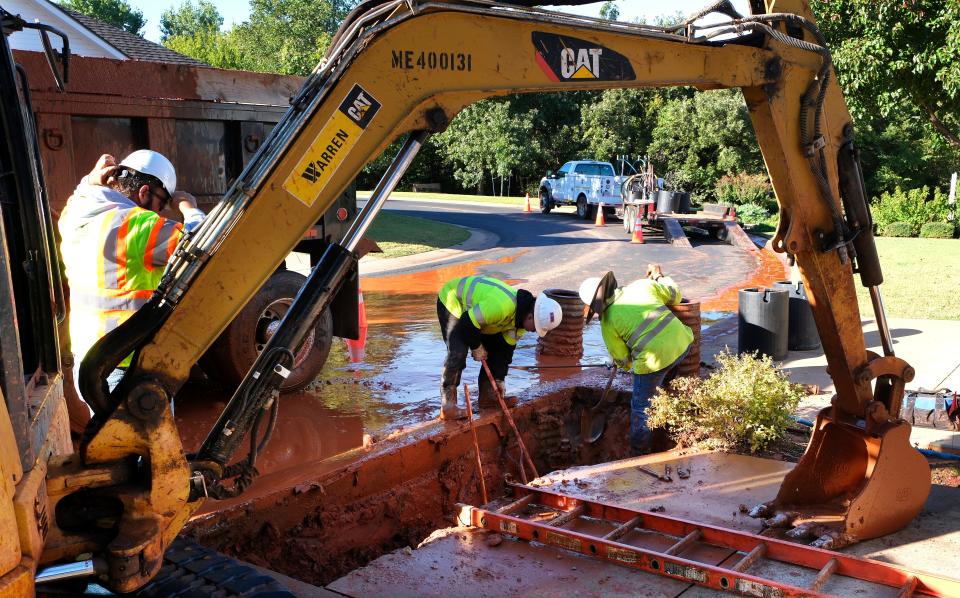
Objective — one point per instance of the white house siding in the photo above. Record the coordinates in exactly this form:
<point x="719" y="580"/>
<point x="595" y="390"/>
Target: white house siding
<point x="82" y="42"/>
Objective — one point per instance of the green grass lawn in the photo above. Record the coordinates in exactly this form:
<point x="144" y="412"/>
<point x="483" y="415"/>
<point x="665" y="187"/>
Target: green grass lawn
<point x="921" y="278"/>
<point x="514" y="201"/>
<point x="405" y="235"/>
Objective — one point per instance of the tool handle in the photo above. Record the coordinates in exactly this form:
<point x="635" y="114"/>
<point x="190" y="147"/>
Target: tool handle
<point x="503" y="405"/>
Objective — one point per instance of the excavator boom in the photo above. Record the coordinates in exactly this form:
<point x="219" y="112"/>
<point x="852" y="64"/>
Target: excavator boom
<point x="400" y="67"/>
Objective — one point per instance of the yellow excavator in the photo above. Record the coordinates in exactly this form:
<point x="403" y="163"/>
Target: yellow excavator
<point x="407" y="67"/>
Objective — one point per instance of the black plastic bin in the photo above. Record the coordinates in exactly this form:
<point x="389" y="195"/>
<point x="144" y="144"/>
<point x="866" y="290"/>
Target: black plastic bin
<point x="763" y="322"/>
<point x="802" y="334"/>
<point x="683" y="203"/>
<point x="667" y="202"/>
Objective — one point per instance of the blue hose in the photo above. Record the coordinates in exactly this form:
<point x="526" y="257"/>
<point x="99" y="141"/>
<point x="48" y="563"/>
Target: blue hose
<point x="925" y="452"/>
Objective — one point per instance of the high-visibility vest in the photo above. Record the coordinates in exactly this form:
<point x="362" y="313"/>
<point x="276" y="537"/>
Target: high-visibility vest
<point x="114" y="260"/>
<point x="491" y="305"/>
<point x="639" y="329"/>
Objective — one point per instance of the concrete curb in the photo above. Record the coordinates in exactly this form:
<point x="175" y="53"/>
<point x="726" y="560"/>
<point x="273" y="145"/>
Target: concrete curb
<point x="479" y="240"/>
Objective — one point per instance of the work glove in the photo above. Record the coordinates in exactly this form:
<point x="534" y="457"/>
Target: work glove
<point x="479" y="354"/>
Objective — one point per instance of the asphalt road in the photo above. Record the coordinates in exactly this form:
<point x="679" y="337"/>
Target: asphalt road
<point x="558" y="250"/>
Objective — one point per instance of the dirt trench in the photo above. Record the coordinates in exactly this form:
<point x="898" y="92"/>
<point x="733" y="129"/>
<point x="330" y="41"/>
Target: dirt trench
<point x="403" y="489"/>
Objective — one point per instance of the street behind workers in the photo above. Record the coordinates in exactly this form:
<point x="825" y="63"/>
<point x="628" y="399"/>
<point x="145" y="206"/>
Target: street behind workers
<point x="641" y="334"/>
<point x="116" y="244"/>
<point x="487" y="317"/>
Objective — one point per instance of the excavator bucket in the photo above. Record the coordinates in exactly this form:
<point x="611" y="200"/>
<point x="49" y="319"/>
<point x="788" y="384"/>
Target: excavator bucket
<point x="851" y="484"/>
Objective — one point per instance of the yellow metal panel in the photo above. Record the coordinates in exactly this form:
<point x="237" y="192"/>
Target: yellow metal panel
<point x="9" y="453"/>
<point x="17" y="583"/>
<point x="33" y="515"/>
<point x="10" y="473"/>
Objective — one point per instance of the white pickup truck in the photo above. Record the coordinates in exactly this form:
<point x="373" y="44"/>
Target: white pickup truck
<point x="585" y="184"/>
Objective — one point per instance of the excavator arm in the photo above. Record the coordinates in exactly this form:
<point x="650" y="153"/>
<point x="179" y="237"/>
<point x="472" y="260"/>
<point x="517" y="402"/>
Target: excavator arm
<point x="399" y="67"/>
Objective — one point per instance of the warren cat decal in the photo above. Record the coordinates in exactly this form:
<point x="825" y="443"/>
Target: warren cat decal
<point x="331" y="145"/>
<point x="565" y="58"/>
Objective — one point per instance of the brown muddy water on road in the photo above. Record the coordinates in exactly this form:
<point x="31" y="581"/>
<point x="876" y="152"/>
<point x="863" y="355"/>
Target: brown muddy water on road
<point x="395" y="389"/>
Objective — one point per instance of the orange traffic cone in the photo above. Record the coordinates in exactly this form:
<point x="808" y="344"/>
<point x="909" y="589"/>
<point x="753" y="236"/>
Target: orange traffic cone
<point x="637" y="234"/>
<point x="526" y="208"/>
<point x="600" y="221"/>
<point x="358" y="347"/>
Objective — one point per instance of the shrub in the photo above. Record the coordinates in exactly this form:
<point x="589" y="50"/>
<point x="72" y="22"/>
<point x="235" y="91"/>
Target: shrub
<point x="743" y="188"/>
<point x="746" y="402"/>
<point x="898" y="229"/>
<point x="914" y="206"/>
<point x="937" y="230"/>
<point x="752" y="213"/>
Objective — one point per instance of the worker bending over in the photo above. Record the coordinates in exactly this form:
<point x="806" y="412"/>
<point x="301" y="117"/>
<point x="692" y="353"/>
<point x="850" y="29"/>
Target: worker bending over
<point x="641" y="333"/>
<point x="488" y="317"/>
<point x="116" y="244"/>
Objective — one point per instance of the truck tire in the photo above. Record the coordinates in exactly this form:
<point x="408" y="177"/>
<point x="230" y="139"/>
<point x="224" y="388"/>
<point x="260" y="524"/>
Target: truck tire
<point x="546" y="202"/>
<point x="238" y="346"/>
<point x="190" y="569"/>
<point x="583" y="209"/>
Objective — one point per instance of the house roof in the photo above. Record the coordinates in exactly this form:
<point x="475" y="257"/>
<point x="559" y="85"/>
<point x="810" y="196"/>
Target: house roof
<point x="131" y="45"/>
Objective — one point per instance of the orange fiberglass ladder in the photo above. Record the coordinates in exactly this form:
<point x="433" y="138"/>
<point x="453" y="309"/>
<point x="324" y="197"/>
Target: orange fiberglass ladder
<point x="734" y="578"/>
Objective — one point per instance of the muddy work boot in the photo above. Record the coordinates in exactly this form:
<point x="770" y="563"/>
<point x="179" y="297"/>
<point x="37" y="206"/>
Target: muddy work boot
<point x="448" y="404"/>
<point x="488" y="396"/>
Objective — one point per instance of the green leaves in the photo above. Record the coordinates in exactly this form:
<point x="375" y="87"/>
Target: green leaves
<point x="746" y="402"/>
<point x="116" y="12"/>
<point x="190" y="19"/>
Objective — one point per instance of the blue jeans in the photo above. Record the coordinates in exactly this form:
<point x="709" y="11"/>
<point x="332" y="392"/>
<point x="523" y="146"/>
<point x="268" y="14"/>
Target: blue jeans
<point x="644" y="387"/>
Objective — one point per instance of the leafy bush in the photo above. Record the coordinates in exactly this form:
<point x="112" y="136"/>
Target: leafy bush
<point x="937" y="230"/>
<point x="752" y="213"/>
<point x="898" y="229"/>
<point x="914" y="206"/>
<point x="743" y="188"/>
<point x="746" y="402"/>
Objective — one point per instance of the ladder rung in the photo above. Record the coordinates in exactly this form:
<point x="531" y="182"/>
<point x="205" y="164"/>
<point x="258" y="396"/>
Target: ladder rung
<point x="565" y="518"/>
<point x="516" y="505"/>
<point x="684" y="542"/>
<point x="908" y="588"/>
<point x="623" y="529"/>
<point x="824" y="574"/>
<point x="758" y="552"/>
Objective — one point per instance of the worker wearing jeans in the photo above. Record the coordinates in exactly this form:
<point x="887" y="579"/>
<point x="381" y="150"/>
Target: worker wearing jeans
<point x="641" y="334"/>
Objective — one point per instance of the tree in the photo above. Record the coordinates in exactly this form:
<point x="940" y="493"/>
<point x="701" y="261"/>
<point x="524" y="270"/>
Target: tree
<point x="116" y="12"/>
<point x="289" y="36"/>
<point x="190" y="19"/>
<point x="488" y="137"/>
<point x="699" y="139"/>
<point x="897" y="58"/>
<point x="212" y="47"/>
<point x="609" y="11"/>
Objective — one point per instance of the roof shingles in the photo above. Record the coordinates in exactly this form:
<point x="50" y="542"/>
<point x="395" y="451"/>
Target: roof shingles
<point x="133" y="46"/>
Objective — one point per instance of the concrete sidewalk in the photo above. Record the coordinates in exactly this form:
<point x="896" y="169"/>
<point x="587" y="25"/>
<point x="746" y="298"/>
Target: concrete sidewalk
<point x="930" y="346"/>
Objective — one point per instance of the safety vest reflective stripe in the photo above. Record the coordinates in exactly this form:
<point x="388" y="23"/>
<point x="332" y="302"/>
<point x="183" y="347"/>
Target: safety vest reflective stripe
<point x="160" y="244"/>
<point x="109" y="268"/>
<point x="468" y="299"/>
<point x="511" y="337"/>
<point x="478" y="315"/>
<point x="641" y="336"/>
<point x="122" y="303"/>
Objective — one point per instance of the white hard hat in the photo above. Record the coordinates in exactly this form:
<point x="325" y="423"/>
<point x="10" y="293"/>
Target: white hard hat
<point x="546" y="314"/>
<point x="155" y="164"/>
<point x="588" y="289"/>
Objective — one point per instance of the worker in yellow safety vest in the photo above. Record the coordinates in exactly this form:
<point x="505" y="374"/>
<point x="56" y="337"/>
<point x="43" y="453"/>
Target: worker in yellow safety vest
<point x="488" y="317"/>
<point x="641" y="334"/>
<point x="115" y="244"/>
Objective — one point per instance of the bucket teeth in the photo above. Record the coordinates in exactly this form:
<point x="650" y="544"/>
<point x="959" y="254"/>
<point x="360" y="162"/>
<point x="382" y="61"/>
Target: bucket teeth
<point x="761" y="511"/>
<point x="781" y="519"/>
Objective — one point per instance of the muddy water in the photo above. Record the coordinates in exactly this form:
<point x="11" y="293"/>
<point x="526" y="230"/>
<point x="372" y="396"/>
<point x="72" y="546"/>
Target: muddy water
<point x="396" y="387"/>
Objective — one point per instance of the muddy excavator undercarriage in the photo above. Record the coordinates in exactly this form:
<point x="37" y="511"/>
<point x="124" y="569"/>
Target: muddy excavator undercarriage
<point x="408" y="67"/>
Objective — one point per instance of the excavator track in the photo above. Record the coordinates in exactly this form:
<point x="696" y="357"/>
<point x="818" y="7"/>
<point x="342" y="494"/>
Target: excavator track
<point x="190" y="569"/>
